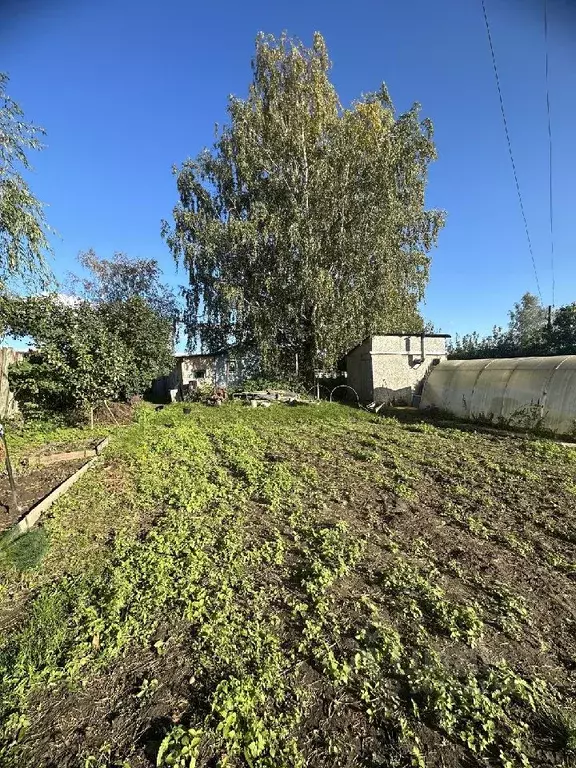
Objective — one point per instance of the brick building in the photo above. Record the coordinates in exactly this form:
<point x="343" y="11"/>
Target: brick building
<point x="392" y="367"/>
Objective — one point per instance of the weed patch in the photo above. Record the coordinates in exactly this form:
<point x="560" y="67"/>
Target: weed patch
<point x="288" y="587"/>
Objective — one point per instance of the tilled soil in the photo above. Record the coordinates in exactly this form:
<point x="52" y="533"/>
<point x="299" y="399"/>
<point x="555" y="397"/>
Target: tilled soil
<point x="455" y="548"/>
<point x="31" y="487"/>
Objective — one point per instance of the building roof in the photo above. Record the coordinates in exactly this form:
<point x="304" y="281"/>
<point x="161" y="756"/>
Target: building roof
<point x="400" y="336"/>
<point x="217" y="353"/>
<point x="426" y="335"/>
<point x="187" y="355"/>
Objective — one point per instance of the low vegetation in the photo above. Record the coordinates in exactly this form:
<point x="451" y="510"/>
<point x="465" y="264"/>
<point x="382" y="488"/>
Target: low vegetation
<point x="298" y="586"/>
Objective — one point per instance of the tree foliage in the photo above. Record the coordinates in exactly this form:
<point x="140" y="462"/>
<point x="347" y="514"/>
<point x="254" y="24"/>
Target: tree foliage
<point x="77" y="362"/>
<point x="123" y="277"/>
<point x="148" y="337"/>
<point x="561" y="336"/>
<point x="528" y="334"/>
<point x="23" y="229"/>
<point x="137" y="307"/>
<point x="527" y="320"/>
<point x="99" y="347"/>
<point x="305" y="229"/>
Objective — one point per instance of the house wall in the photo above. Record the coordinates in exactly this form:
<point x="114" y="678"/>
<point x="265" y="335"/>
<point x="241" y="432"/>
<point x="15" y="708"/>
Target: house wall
<point x="400" y="365"/>
<point x="223" y="370"/>
<point x="229" y="370"/>
<point x="391" y="369"/>
<point x="188" y="367"/>
<point x="402" y="345"/>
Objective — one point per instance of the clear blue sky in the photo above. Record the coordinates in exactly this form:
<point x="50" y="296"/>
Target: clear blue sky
<point x="126" y="89"/>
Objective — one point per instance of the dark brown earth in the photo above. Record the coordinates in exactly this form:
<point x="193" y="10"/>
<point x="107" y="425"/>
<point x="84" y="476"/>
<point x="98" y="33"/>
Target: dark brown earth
<point x="31" y="487"/>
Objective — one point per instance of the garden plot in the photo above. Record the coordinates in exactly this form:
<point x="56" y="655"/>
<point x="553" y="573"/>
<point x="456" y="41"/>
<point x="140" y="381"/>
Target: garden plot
<point x="32" y="485"/>
<point x="42" y="459"/>
<point x="299" y="587"/>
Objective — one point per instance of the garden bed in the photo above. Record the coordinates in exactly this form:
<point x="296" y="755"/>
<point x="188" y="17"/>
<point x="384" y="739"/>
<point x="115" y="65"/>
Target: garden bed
<point x="32" y="486"/>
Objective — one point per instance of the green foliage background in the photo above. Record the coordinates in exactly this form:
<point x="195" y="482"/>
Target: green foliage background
<point x="109" y="345"/>
<point x="23" y="229"/>
<point x="530" y="333"/>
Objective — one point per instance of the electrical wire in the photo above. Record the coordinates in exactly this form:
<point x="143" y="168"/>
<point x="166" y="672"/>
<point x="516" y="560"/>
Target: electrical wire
<point x="508" y="141"/>
<point x="550" y="186"/>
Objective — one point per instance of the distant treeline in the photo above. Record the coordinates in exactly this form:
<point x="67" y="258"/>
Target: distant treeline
<point x="532" y="330"/>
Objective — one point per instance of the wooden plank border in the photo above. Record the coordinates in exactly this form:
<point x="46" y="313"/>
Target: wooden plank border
<point x="56" y="458"/>
<point x="34" y="514"/>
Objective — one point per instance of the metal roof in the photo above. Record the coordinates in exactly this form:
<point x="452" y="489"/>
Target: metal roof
<point x="412" y="333"/>
<point x="217" y="353"/>
<point x="182" y="355"/>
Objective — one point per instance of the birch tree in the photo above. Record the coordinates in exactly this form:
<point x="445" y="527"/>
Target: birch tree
<point x="527" y="320"/>
<point x="23" y="229"/>
<point x="304" y="229"/>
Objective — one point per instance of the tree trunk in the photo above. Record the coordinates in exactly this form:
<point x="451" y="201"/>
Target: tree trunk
<point x="309" y="358"/>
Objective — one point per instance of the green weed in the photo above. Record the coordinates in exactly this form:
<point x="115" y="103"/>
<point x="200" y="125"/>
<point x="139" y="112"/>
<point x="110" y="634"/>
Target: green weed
<point x="422" y="600"/>
<point x="25" y="552"/>
<point x="240" y="536"/>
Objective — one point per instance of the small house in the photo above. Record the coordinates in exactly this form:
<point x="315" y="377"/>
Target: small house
<point x="392" y="367"/>
<point x="225" y="368"/>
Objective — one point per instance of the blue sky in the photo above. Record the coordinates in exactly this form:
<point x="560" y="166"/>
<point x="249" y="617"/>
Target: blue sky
<point x="126" y="89"/>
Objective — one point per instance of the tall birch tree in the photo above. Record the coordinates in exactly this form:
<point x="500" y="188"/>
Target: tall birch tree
<point x="304" y="229"/>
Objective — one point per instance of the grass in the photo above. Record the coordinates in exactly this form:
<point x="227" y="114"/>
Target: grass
<point x="24" y="552"/>
<point x="25" y="438"/>
<point x="308" y="586"/>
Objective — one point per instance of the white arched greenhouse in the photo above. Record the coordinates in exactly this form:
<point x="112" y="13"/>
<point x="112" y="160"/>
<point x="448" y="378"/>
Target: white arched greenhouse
<point x="525" y="392"/>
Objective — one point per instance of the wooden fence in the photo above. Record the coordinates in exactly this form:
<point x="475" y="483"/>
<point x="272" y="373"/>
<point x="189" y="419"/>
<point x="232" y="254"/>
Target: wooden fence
<point x="8" y="404"/>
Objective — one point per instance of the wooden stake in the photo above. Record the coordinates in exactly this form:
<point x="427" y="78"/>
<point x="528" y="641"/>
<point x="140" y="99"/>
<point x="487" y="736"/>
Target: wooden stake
<point x="110" y="412"/>
<point x="9" y="470"/>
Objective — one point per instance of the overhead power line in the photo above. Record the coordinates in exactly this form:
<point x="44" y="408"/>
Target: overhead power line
<point x="550" y="186"/>
<point x="508" y="141"/>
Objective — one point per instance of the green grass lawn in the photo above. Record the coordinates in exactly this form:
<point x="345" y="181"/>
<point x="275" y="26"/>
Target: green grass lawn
<point x="299" y="586"/>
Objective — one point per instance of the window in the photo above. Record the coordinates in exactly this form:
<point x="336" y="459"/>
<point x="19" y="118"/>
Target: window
<point x="199" y="374"/>
<point x="232" y="366"/>
<point x="407" y="343"/>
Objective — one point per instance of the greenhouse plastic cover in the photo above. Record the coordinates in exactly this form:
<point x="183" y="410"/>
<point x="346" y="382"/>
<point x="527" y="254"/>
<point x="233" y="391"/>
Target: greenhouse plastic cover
<point x="529" y="392"/>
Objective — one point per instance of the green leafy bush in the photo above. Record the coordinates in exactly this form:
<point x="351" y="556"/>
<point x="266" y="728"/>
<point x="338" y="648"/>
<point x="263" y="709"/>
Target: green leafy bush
<point x="84" y="353"/>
